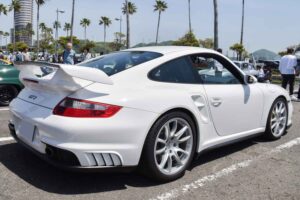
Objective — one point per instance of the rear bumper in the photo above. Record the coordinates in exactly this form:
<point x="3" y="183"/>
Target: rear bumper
<point x="70" y="164"/>
<point x="96" y="143"/>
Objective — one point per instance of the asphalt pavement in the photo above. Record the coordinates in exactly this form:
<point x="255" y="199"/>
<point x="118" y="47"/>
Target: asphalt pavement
<point x="253" y="169"/>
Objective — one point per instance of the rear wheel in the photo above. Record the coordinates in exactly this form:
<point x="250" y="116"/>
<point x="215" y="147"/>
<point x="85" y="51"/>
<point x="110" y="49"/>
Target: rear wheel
<point x="277" y="120"/>
<point x="169" y="147"/>
<point x="7" y="94"/>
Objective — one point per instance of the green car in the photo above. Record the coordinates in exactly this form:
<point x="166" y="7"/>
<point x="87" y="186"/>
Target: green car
<point x="10" y="84"/>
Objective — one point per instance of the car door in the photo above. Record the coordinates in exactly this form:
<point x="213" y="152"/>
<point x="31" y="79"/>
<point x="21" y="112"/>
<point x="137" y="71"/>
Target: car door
<point x="235" y="107"/>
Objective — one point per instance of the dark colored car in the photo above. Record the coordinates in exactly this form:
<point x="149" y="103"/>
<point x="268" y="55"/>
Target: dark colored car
<point x="274" y="64"/>
<point x="10" y="84"/>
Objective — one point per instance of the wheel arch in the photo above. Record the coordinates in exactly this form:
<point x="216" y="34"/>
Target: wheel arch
<point x="268" y="132"/>
<point x="265" y="121"/>
<point x="286" y="101"/>
<point x="188" y="112"/>
<point x="177" y="109"/>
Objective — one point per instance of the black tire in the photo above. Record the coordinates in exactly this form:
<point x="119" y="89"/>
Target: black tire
<point x="148" y="164"/>
<point x="7" y="94"/>
<point x="269" y="134"/>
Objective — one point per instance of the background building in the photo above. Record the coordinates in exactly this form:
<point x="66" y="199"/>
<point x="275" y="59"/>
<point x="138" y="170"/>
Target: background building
<point x="23" y="22"/>
<point x="12" y="35"/>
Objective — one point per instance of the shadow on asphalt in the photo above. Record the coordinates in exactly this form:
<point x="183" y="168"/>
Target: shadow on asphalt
<point x="39" y="174"/>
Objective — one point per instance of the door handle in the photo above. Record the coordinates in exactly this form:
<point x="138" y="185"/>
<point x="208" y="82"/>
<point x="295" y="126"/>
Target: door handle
<point x="216" y="102"/>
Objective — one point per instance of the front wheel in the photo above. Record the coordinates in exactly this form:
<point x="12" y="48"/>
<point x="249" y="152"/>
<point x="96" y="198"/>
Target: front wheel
<point x="169" y="147"/>
<point x="277" y="120"/>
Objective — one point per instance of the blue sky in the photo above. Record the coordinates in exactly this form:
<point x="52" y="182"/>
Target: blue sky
<point x="270" y="24"/>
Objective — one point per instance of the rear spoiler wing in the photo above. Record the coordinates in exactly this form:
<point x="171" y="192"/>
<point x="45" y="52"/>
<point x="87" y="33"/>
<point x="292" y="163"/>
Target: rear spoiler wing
<point x="28" y="70"/>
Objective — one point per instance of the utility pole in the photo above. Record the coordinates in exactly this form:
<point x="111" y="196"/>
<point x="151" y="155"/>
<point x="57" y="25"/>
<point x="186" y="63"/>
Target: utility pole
<point x="72" y="21"/>
<point x="242" y="31"/>
<point x="56" y="31"/>
<point x="128" y="28"/>
<point x="120" y="33"/>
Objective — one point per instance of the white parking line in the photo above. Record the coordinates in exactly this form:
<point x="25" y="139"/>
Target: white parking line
<point x="4" y="109"/>
<point x="6" y="139"/>
<point x="175" y="193"/>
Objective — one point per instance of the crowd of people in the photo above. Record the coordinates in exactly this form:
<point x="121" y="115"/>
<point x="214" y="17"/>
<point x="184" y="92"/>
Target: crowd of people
<point x="17" y="56"/>
<point x="67" y="57"/>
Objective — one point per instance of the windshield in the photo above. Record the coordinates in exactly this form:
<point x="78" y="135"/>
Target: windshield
<point x="120" y="61"/>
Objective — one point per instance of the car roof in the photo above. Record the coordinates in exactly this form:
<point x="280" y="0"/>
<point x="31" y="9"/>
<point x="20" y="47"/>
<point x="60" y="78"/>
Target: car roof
<point x="171" y="49"/>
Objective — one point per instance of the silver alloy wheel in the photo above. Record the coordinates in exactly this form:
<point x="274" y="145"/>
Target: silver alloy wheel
<point x="278" y="118"/>
<point x="173" y="146"/>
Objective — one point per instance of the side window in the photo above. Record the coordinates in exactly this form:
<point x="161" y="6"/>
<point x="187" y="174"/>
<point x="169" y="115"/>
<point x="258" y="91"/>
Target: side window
<point x="209" y="70"/>
<point x="175" y="71"/>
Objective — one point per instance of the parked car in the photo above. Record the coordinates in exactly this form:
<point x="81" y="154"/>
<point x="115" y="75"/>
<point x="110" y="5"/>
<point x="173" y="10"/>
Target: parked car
<point x="153" y="107"/>
<point x="10" y="85"/>
<point x="274" y="64"/>
<point x="78" y="58"/>
<point x="248" y="68"/>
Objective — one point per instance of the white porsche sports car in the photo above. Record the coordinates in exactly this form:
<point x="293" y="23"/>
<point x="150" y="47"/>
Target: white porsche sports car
<point x="153" y="107"/>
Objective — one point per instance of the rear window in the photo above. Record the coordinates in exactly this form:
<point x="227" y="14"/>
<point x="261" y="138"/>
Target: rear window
<point x="117" y="62"/>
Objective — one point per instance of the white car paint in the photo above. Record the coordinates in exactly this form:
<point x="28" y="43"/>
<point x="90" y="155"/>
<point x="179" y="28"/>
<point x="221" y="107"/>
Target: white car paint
<point x="242" y="109"/>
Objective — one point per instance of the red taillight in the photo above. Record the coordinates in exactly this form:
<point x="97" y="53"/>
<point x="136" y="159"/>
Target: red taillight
<point x="70" y="107"/>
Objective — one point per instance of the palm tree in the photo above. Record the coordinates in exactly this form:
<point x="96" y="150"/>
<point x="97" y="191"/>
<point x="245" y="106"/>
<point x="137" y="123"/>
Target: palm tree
<point x="128" y="8"/>
<point x="67" y="28"/>
<point x="216" y="25"/>
<point x="42" y="26"/>
<point x="3" y="9"/>
<point x="38" y="3"/>
<point x="85" y="23"/>
<point x="15" y="6"/>
<point x="28" y="31"/>
<point x="190" y="21"/>
<point x="72" y="20"/>
<point x="105" y="21"/>
<point x="56" y="25"/>
<point x="243" y="17"/>
<point x="160" y="6"/>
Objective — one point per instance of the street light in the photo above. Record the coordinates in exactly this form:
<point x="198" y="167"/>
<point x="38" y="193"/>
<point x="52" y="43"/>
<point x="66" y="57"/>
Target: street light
<point x="120" y="34"/>
<point x="56" y="31"/>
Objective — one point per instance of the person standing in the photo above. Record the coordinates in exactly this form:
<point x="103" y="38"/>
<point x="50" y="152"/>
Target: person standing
<point x="19" y="56"/>
<point x="69" y="54"/>
<point x="261" y="74"/>
<point x="86" y="54"/>
<point x="26" y="55"/>
<point x="287" y="68"/>
<point x="297" y="74"/>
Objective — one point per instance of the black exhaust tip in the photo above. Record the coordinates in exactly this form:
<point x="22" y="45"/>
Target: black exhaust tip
<point x="62" y="156"/>
<point x="49" y="151"/>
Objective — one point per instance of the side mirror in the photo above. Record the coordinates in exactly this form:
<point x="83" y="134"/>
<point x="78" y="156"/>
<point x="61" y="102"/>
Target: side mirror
<point x="249" y="79"/>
